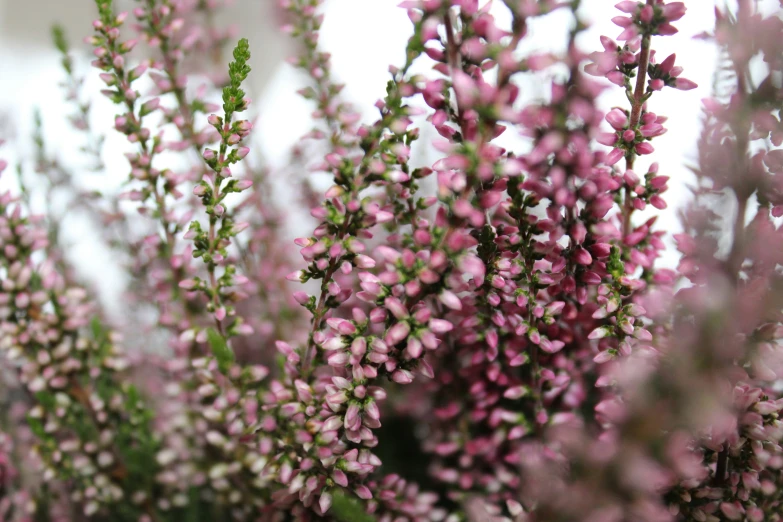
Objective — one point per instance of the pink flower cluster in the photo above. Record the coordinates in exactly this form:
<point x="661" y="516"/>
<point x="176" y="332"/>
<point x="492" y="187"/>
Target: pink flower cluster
<point x="484" y="336"/>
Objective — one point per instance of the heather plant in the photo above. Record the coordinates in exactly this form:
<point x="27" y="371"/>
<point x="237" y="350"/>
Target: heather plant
<point x="486" y="336"/>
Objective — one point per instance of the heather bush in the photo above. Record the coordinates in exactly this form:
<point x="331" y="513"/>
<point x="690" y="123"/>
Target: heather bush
<point x="486" y="336"/>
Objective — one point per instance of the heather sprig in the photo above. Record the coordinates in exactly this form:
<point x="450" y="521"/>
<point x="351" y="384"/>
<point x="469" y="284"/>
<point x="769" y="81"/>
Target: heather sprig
<point x="154" y="187"/>
<point x="633" y="67"/>
<point x="161" y="22"/>
<point x="348" y="215"/>
<point x="156" y="190"/>
<point x="339" y="118"/>
<point x="74" y="86"/>
<point x="514" y="345"/>
<point x="212" y="245"/>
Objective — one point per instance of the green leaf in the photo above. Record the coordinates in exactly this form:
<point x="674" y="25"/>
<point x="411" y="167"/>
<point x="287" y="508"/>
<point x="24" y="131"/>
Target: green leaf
<point x="193" y="509"/>
<point x="349" y="509"/>
<point x="98" y="331"/>
<point x="36" y="426"/>
<point x="615" y="265"/>
<point x="237" y="73"/>
<point x="46" y="399"/>
<point x="106" y="11"/>
<point x="220" y="349"/>
<point x="58" y="36"/>
<point x="133" y="398"/>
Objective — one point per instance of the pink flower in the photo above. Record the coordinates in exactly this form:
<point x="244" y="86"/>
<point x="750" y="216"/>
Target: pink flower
<point x="674" y="11"/>
<point x="684" y="84"/>
<point x="628" y="6"/>
<point x="644" y="148"/>
<point x="617" y="119"/>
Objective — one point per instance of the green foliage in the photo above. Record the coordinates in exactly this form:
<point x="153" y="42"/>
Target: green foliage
<point x="97" y="329"/>
<point x="220" y="349"/>
<point x="61" y="43"/>
<point x="135" y="442"/>
<point x="615" y="264"/>
<point x="233" y="95"/>
<point x="58" y="36"/>
<point x="349" y="509"/>
<point x="36" y="426"/>
<point x="105" y="11"/>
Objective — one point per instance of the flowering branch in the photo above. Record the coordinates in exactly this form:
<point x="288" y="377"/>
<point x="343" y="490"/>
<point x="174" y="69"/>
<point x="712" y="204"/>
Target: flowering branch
<point x="211" y="246"/>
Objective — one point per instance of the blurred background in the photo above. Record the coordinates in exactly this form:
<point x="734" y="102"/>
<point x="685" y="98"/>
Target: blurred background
<point x="364" y="37"/>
